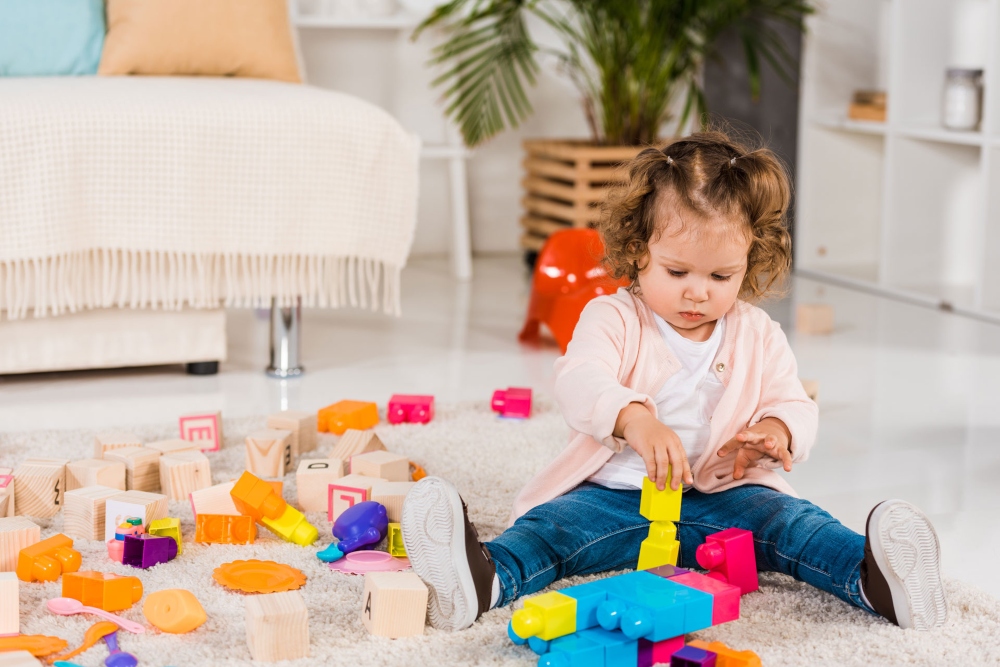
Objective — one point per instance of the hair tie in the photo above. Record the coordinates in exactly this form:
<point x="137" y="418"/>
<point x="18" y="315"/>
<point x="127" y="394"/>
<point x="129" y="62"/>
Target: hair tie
<point x="670" y="160"/>
<point x="732" y="163"/>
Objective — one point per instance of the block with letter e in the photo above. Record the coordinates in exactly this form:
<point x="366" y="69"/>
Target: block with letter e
<point x="347" y="492"/>
<point x="205" y="429"/>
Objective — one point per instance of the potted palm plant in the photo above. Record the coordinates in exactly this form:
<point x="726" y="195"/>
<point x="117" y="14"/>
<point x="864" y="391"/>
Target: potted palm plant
<point x="636" y="63"/>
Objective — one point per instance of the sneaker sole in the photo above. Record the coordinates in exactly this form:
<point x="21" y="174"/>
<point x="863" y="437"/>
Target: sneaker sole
<point x="433" y="526"/>
<point x="906" y="549"/>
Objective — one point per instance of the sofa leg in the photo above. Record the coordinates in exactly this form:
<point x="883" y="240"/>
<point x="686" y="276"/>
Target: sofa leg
<point x="286" y="325"/>
<point x="203" y="368"/>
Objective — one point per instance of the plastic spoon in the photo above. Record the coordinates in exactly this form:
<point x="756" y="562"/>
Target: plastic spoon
<point x="69" y="606"/>
<point x="118" y="657"/>
<point x="91" y="637"/>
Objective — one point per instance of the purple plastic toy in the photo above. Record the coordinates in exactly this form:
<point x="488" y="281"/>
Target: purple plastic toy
<point x="361" y="527"/>
<point x="118" y="657"/>
<point x="148" y="550"/>
<point x="690" y="656"/>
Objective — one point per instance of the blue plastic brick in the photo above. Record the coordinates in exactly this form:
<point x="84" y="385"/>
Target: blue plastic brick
<point x="588" y="596"/>
<point x="573" y="651"/>
<point x="690" y="656"/>
<point x="619" y="650"/>
<point x="538" y="645"/>
<point x="651" y="607"/>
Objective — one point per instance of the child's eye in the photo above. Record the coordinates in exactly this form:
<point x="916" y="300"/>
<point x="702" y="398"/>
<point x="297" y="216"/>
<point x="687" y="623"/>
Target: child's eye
<point x="677" y="274"/>
<point x="716" y="276"/>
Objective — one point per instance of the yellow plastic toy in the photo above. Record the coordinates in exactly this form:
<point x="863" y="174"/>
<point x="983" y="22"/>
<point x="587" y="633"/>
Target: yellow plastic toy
<point x="662" y="508"/>
<point x="168" y="527"/>
<point x="658" y="505"/>
<point x="174" y="610"/>
<point x="396" y="546"/>
<point x="293" y="527"/>
<point x="257" y="498"/>
<point x="546" y="616"/>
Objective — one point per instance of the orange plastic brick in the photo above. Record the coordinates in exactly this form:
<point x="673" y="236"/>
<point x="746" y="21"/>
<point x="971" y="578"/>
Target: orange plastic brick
<point x="259" y="576"/>
<point x="36" y="645"/>
<point x="103" y="590"/>
<point x="174" y="610"/>
<point x="417" y="472"/>
<point x="46" y="560"/>
<point x="257" y="498"/>
<point x="225" y="529"/>
<point x="728" y="656"/>
<point x="343" y="415"/>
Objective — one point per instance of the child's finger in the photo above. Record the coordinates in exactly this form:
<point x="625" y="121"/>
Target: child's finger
<point x="662" y="458"/>
<point x="688" y="477"/>
<point x="786" y="458"/>
<point x="730" y="446"/>
<point x="743" y="461"/>
<point x="679" y="468"/>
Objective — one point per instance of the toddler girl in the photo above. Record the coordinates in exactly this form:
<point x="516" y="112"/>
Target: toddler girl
<point x="679" y="376"/>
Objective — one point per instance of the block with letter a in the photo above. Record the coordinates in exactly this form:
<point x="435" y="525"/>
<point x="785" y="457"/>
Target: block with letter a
<point x="203" y="428"/>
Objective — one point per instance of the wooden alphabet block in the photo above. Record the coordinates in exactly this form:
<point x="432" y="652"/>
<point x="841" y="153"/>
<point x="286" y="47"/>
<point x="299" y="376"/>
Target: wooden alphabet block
<point x="39" y="485"/>
<point x="6" y="492"/>
<point x="10" y="617"/>
<point x="148" y="506"/>
<point x="814" y="318"/>
<point x="356" y="442"/>
<point x="393" y="467"/>
<point x="174" y="446"/>
<point x="83" y="511"/>
<point x="214" y="500"/>
<point x="18" y="659"/>
<point x="16" y="533"/>
<point x="346" y="492"/>
<point x="812" y="389"/>
<point x="301" y="424"/>
<point x="394" y="604"/>
<point x="313" y="479"/>
<point x="277" y="626"/>
<point x="391" y="494"/>
<point x="204" y="429"/>
<point x="182" y="473"/>
<point x="142" y="467"/>
<point x="269" y="452"/>
<point x="91" y="472"/>
<point x="105" y="442"/>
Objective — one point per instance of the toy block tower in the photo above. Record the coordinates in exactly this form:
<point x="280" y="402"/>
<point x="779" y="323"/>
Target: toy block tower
<point x="93" y="472"/>
<point x="388" y="466"/>
<point x="269" y="452"/>
<point x="83" y="511"/>
<point x="391" y="495"/>
<point x="16" y="533"/>
<point x="10" y="619"/>
<point x="105" y="442"/>
<point x="6" y="492"/>
<point x="277" y="626"/>
<point x="142" y="467"/>
<point x="313" y="479"/>
<point x="355" y="442"/>
<point x="181" y="473"/>
<point x="39" y="485"/>
<point x="205" y="429"/>
<point x="301" y="424"/>
<point x="662" y="508"/>
<point x="146" y="506"/>
<point x="394" y="604"/>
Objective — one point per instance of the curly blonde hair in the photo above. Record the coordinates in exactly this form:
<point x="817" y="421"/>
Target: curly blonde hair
<point x="710" y="174"/>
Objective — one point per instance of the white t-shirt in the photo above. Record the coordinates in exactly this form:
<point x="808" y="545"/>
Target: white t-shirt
<point x="685" y="403"/>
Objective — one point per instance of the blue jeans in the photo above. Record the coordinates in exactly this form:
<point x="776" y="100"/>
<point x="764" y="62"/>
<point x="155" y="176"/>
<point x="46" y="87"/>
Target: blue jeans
<point x="595" y="529"/>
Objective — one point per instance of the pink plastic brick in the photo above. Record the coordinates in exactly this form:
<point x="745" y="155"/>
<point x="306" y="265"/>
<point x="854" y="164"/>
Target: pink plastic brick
<point x="512" y="402"/>
<point x="729" y="557"/>
<point x="725" y="597"/>
<point x="653" y="653"/>
<point x="410" y="408"/>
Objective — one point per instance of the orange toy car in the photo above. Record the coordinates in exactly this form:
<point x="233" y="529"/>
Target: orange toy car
<point x="568" y="274"/>
<point x="46" y="560"/>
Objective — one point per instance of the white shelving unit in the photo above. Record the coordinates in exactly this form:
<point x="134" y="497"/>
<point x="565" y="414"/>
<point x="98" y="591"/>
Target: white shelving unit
<point x="454" y="151"/>
<point x="905" y="208"/>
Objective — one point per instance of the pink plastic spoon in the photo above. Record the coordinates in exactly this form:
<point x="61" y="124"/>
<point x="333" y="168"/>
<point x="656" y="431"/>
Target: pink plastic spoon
<point x="69" y="606"/>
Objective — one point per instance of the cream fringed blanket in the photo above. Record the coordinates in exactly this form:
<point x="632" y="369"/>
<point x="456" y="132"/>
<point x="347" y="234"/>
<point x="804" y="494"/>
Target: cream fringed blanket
<point x="173" y="191"/>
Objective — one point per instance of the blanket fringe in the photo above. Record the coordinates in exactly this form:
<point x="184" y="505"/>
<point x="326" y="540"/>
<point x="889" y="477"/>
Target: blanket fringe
<point x="93" y="279"/>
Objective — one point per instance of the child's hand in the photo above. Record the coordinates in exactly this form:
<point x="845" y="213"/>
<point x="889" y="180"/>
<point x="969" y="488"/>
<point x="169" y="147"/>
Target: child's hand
<point x="769" y="437"/>
<point x="660" y="449"/>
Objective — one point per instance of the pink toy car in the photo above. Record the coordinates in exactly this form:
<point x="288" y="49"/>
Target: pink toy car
<point x="512" y="402"/>
<point x="410" y="408"/>
<point x="728" y="556"/>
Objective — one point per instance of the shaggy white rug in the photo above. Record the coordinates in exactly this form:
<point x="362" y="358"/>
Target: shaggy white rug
<point x="786" y="623"/>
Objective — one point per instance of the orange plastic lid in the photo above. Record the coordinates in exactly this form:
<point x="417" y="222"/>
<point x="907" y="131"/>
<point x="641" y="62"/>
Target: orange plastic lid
<point x="36" y="645"/>
<point x="259" y="576"/>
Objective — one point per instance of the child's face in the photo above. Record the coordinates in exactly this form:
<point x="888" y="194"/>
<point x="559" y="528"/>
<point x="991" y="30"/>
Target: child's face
<point x="695" y="269"/>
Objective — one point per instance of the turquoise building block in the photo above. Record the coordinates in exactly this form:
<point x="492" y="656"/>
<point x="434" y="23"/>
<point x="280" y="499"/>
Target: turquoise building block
<point x="645" y="606"/>
<point x="573" y="651"/>
<point x="619" y="650"/>
<point x="588" y="597"/>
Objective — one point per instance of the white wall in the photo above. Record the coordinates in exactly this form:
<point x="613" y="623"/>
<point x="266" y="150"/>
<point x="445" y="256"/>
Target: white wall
<point x="386" y="68"/>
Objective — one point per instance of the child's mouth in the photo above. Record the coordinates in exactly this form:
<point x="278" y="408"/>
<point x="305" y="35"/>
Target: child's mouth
<point x="692" y="316"/>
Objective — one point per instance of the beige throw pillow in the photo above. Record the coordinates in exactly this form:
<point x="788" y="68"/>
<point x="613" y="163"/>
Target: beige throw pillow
<point x="250" y="38"/>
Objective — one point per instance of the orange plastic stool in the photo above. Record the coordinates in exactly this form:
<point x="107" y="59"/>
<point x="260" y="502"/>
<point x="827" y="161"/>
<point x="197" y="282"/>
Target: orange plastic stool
<point x="568" y="274"/>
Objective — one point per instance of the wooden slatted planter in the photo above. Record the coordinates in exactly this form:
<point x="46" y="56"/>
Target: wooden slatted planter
<point x="565" y="184"/>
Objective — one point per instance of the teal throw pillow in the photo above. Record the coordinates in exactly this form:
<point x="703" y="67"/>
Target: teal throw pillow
<point x="50" y="37"/>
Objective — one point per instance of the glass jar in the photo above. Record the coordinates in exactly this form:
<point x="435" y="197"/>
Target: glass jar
<point x="963" y="99"/>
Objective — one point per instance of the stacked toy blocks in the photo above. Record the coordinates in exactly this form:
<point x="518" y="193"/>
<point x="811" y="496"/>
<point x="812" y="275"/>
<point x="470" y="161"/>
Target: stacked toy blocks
<point x="662" y="508"/>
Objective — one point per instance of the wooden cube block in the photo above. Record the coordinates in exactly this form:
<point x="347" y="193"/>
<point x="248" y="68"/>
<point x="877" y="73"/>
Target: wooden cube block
<point x="16" y="533"/>
<point x="356" y="442"/>
<point x="148" y="506"/>
<point x="183" y="473"/>
<point x="39" y="485"/>
<point x="393" y="467"/>
<point x="6" y="492"/>
<point x="301" y="424"/>
<point x="142" y="467"/>
<point x="204" y="429"/>
<point x="10" y="616"/>
<point x="394" y="604"/>
<point x="347" y="492"/>
<point x="174" y="446"/>
<point x="18" y="659"/>
<point x="83" y="512"/>
<point x="105" y="442"/>
<point x="277" y="626"/>
<point x="391" y="494"/>
<point x="214" y="500"/>
<point x="814" y="318"/>
<point x="313" y="479"/>
<point x="91" y="472"/>
<point x="812" y="389"/>
<point x="269" y="452"/>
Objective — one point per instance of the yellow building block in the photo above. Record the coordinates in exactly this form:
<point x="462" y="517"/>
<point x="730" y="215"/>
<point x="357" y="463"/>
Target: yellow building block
<point x="293" y="527"/>
<point x="169" y="527"/>
<point x="546" y="616"/>
<point x="658" y="505"/>
<point x="654" y="554"/>
<point x="396" y="546"/>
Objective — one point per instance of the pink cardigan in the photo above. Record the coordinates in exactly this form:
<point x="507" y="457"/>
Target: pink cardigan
<point x="618" y="356"/>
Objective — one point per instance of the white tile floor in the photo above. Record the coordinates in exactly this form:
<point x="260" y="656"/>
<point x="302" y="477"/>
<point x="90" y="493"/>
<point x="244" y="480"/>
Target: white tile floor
<point x="908" y="396"/>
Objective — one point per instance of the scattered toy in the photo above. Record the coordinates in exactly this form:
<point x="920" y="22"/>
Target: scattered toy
<point x="729" y="557"/>
<point x="93" y="635"/>
<point x="415" y="409"/>
<point x="225" y="529"/>
<point x="362" y="562"/>
<point x="174" y="610"/>
<point x="205" y="429"/>
<point x="259" y="576"/>
<point x="277" y="626"/>
<point x="169" y="527"/>
<point x="48" y="559"/>
<point x="514" y="402"/>
<point x="104" y="590"/>
<point x="340" y="416"/>
<point x="255" y="497"/>
<point x="361" y="527"/>
<point x="396" y="547"/>
<point x="330" y="554"/>
<point x="34" y="644"/>
<point x="145" y="551"/>
<point x="395" y="604"/>
<point x="118" y="657"/>
<point x="69" y="607"/>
